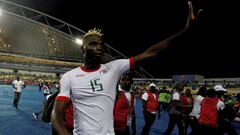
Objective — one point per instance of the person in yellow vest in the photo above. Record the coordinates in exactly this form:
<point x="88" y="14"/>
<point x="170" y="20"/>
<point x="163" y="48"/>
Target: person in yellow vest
<point x="164" y="99"/>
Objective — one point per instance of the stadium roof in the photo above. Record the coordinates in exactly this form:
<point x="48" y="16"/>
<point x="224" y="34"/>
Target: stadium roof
<point x="32" y="34"/>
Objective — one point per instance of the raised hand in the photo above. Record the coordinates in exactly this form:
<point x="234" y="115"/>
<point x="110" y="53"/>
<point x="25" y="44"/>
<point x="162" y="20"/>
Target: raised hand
<point x="191" y="16"/>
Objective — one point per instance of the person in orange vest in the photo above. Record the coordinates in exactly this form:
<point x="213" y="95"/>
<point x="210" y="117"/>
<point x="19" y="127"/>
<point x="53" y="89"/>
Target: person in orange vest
<point x="124" y="114"/>
<point x="208" y="119"/>
<point x="150" y="107"/>
<point x="187" y="105"/>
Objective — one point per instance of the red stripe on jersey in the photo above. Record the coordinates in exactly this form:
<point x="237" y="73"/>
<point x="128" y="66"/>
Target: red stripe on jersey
<point x="62" y="98"/>
<point x="132" y="64"/>
<point x="90" y="70"/>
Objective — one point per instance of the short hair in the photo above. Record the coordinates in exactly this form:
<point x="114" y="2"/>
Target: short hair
<point x="130" y="75"/>
<point x="179" y="86"/>
<point x="94" y="31"/>
<point x="238" y="96"/>
<point x="211" y="93"/>
<point x="202" y="91"/>
<point x="91" y="32"/>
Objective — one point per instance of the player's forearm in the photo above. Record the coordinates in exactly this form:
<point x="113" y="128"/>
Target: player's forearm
<point x="59" y="124"/>
<point x="157" y="48"/>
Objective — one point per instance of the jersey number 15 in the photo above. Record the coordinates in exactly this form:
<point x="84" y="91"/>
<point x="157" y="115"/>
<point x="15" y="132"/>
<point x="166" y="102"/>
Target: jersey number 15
<point x="96" y="85"/>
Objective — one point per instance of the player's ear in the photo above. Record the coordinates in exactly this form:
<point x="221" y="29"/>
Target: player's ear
<point x="82" y="48"/>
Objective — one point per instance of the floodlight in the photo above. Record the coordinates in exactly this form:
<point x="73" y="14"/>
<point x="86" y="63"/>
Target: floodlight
<point x="78" y="41"/>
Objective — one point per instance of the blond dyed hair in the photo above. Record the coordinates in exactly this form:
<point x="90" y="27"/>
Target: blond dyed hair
<point x="94" y="31"/>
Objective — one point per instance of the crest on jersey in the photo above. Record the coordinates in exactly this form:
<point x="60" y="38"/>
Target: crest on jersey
<point x="105" y="70"/>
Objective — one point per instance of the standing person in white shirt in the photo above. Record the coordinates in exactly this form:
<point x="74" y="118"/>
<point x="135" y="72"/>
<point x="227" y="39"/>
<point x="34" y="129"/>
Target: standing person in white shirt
<point x="47" y="93"/>
<point x="46" y="89"/>
<point x="175" y="111"/>
<point x="194" y="115"/>
<point x="18" y="85"/>
<point x="92" y="87"/>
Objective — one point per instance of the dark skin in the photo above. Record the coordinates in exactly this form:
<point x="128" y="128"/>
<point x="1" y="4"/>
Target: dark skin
<point x="125" y="82"/>
<point x="92" y="50"/>
<point x="152" y="90"/>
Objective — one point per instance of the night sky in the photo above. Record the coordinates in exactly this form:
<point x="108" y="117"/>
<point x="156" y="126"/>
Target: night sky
<point x="209" y="47"/>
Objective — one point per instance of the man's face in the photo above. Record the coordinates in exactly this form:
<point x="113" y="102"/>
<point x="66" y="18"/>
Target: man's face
<point x="152" y="89"/>
<point x="93" y="49"/>
<point x="125" y="82"/>
<point x="188" y="92"/>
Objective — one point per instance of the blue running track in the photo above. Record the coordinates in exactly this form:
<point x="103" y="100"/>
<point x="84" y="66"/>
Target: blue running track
<point x="21" y="122"/>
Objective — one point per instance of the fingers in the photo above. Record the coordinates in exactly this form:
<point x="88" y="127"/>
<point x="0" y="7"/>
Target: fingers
<point x="191" y="13"/>
<point x="199" y="12"/>
<point x="191" y="16"/>
<point x="190" y="4"/>
<point x="190" y="10"/>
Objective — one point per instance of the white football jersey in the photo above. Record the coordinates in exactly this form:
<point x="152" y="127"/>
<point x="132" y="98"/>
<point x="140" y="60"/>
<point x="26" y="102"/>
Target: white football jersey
<point x="93" y="96"/>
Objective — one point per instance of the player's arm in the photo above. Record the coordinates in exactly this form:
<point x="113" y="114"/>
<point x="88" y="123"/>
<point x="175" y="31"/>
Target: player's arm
<point x="158" y="47"/>
<point x="57" y="117"/>
<point x="13" y="84"/>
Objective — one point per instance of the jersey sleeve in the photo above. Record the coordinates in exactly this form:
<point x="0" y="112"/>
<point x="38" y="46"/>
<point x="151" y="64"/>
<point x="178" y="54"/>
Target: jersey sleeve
<point x="65" y="88"/>
<point x="124" y="65"/>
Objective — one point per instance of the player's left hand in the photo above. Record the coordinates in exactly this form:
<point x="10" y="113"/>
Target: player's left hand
<point x="191" y="16"/>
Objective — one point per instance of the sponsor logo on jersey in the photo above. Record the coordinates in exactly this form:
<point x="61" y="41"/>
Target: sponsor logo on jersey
<point x="80" y="75"/>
